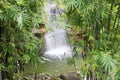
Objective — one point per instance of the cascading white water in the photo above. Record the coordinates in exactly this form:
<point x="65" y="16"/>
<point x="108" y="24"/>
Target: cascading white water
<point x="57" y="45"/>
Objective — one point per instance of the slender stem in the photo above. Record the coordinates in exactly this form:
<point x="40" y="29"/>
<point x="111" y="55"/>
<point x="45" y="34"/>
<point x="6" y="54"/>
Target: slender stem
<point x="110" y="16"/>
<point x="115" y="21"/>
<point x="74" y="55"/>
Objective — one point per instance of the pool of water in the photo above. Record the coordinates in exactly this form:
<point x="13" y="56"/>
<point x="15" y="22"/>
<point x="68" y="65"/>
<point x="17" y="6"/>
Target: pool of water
<point x="55" y="67"/>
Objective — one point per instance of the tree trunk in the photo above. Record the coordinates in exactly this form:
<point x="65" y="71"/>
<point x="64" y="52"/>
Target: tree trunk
<point x="0" y="75"/>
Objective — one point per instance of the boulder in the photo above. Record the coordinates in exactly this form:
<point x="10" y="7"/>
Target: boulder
<point x="70" y="76"/>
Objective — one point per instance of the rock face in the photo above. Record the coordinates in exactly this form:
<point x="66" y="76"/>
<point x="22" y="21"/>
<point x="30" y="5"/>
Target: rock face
<point x="70" y="76"/>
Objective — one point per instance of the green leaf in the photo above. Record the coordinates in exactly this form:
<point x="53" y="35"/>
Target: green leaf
<point x="2" y="66"/>
<point x="108" y="63"/>
<point x="19" y="20"/>
<point x="26" y="58"/>
<point x="10" y="59"/>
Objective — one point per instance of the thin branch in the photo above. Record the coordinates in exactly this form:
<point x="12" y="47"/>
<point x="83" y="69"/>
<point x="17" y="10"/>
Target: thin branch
<point x="110" y="16"/>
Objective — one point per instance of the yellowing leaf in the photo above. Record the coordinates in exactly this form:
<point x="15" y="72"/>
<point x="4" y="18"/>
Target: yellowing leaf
<point x="20" y="2"/>
<point x="91" y="37"/>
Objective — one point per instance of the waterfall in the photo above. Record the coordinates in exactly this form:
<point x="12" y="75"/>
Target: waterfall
<point x="57" y="45"/>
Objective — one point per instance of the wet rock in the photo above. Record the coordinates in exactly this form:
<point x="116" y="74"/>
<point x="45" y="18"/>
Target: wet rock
<point x="47" y="77"/>
<point x="70" y="76"/>
<point x="34" y="76"/>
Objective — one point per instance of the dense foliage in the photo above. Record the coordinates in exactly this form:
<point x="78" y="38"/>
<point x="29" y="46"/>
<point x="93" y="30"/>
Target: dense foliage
<point x="18" y="45"/>
<point x="95" y="36"/>
<point x="97" y="28"/>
